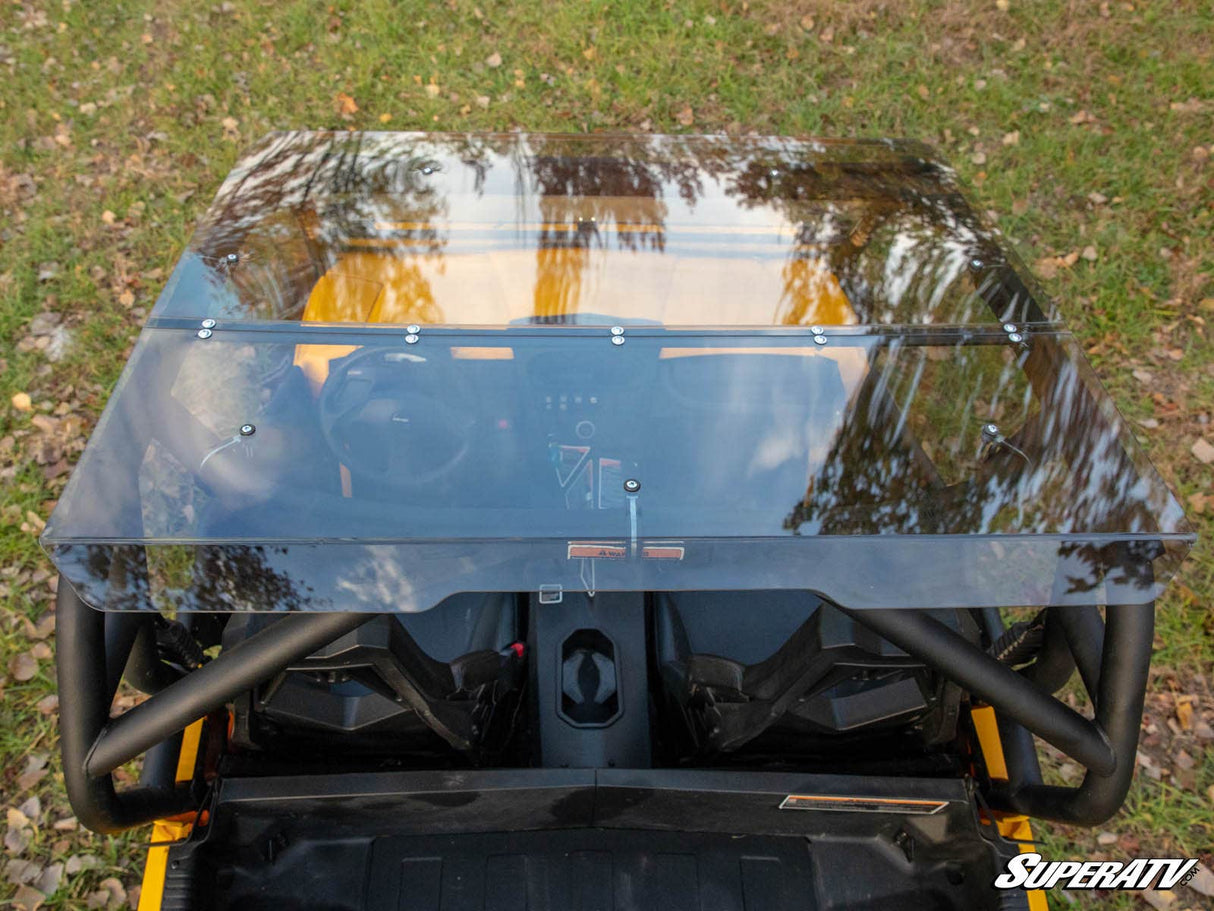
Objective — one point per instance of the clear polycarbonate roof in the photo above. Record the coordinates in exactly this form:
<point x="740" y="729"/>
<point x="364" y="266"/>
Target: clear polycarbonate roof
<point x="391" y="367"/>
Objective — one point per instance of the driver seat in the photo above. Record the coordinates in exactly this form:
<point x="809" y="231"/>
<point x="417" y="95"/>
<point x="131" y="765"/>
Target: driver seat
<point x="444" y="679"/>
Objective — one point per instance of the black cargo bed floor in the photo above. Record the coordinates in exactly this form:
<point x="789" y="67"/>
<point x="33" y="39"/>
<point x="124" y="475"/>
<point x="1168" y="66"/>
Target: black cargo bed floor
<point x="592" y="870"/>
<point x="587" y="870"/>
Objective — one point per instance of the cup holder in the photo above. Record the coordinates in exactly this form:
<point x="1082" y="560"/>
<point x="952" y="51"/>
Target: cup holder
<point x="589" y="680"/>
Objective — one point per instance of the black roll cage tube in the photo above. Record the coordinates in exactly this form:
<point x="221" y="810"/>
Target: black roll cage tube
<point x="94" y="745"/>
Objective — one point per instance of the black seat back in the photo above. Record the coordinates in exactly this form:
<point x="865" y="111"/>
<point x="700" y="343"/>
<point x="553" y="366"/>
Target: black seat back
<point x="740" y="665"/>
<point x="399" y="682"/>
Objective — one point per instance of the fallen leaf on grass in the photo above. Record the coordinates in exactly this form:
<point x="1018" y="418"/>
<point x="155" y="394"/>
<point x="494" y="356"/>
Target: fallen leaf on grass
<point x="345" y="105"/>
<point x="1160" y="901"/>
<point x="1203" y="452"/>
<point x="21" y="401"/>
<point x="493" y="61"/>
<point x="23" y="667"/>
<point x="35" y="771"/>
<point x="686" y="116"/>
<point x="1048" y="267"/>
<point x="1192" y="106"/>
<point x="1149" y="768"/>
<point x="33" y="523"/>
<point x="1202" y="881"/>
<point x="43" y="628"/>
<point x="48" y="882"/>
<point x="1107" y="838"/>
<point x="32" y="808"/>
<point x="17" y="840"/>
<point x="114" y="892"/>
<point x="21" y="872"/>
<point x="28" y="899"/>
<point x="1184" y="704"/>
<point x="15" y="818"/>
<point x="78" y="862"/>
<point x="47" y="705"/>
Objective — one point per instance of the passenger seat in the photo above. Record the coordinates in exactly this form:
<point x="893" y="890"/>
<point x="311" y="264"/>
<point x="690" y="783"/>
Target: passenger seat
<point x="736" y="665"/>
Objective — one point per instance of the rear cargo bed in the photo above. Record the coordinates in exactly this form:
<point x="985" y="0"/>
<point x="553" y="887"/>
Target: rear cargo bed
<point x="607" y="839"/>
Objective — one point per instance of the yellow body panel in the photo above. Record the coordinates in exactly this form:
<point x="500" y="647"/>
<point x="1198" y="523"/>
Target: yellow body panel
<point x="151" y="893"/>
<point x="1011" y="826"/>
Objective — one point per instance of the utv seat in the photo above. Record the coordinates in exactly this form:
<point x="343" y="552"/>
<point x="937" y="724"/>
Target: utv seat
<point x="395" y="682"/>
<point x="736" y="665"/>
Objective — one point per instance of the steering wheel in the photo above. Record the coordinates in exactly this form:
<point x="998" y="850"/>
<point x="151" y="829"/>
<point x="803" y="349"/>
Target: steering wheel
<point x="396" y="418"/>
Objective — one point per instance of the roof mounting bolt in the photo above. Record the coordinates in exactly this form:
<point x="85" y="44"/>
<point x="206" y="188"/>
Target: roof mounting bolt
<point x="410" y="339"/>
<point x="208" y="323"/>
<point x="232" y="259"/>
<point x="990" y="430"/>
<point x="815" y="330"/>
<point x="617" y="330"/>
<point x="977" y="263"/>
<point x="617" y="340"/>
<point x="205" y="333"/>
<point x="774" y="172"/>
<point x="247" y="430"/>
<point x="1009" y="327"/>
<point x="820" y="340"/>
<point x="413" y="329"/>
<point x="632" y="485"/>
<point x="1015" y="337"/>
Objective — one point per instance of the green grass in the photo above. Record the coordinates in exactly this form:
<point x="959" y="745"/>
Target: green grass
<point x="139" y="93"/>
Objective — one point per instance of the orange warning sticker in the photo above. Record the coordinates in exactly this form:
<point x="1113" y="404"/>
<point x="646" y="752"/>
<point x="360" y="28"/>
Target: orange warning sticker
<point x="863" y="804"/>
<point x="597" y="550"/>
<point x="662" y="552"/>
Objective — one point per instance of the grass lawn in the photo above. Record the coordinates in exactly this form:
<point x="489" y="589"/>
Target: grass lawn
<point x="1085" y="128"/>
